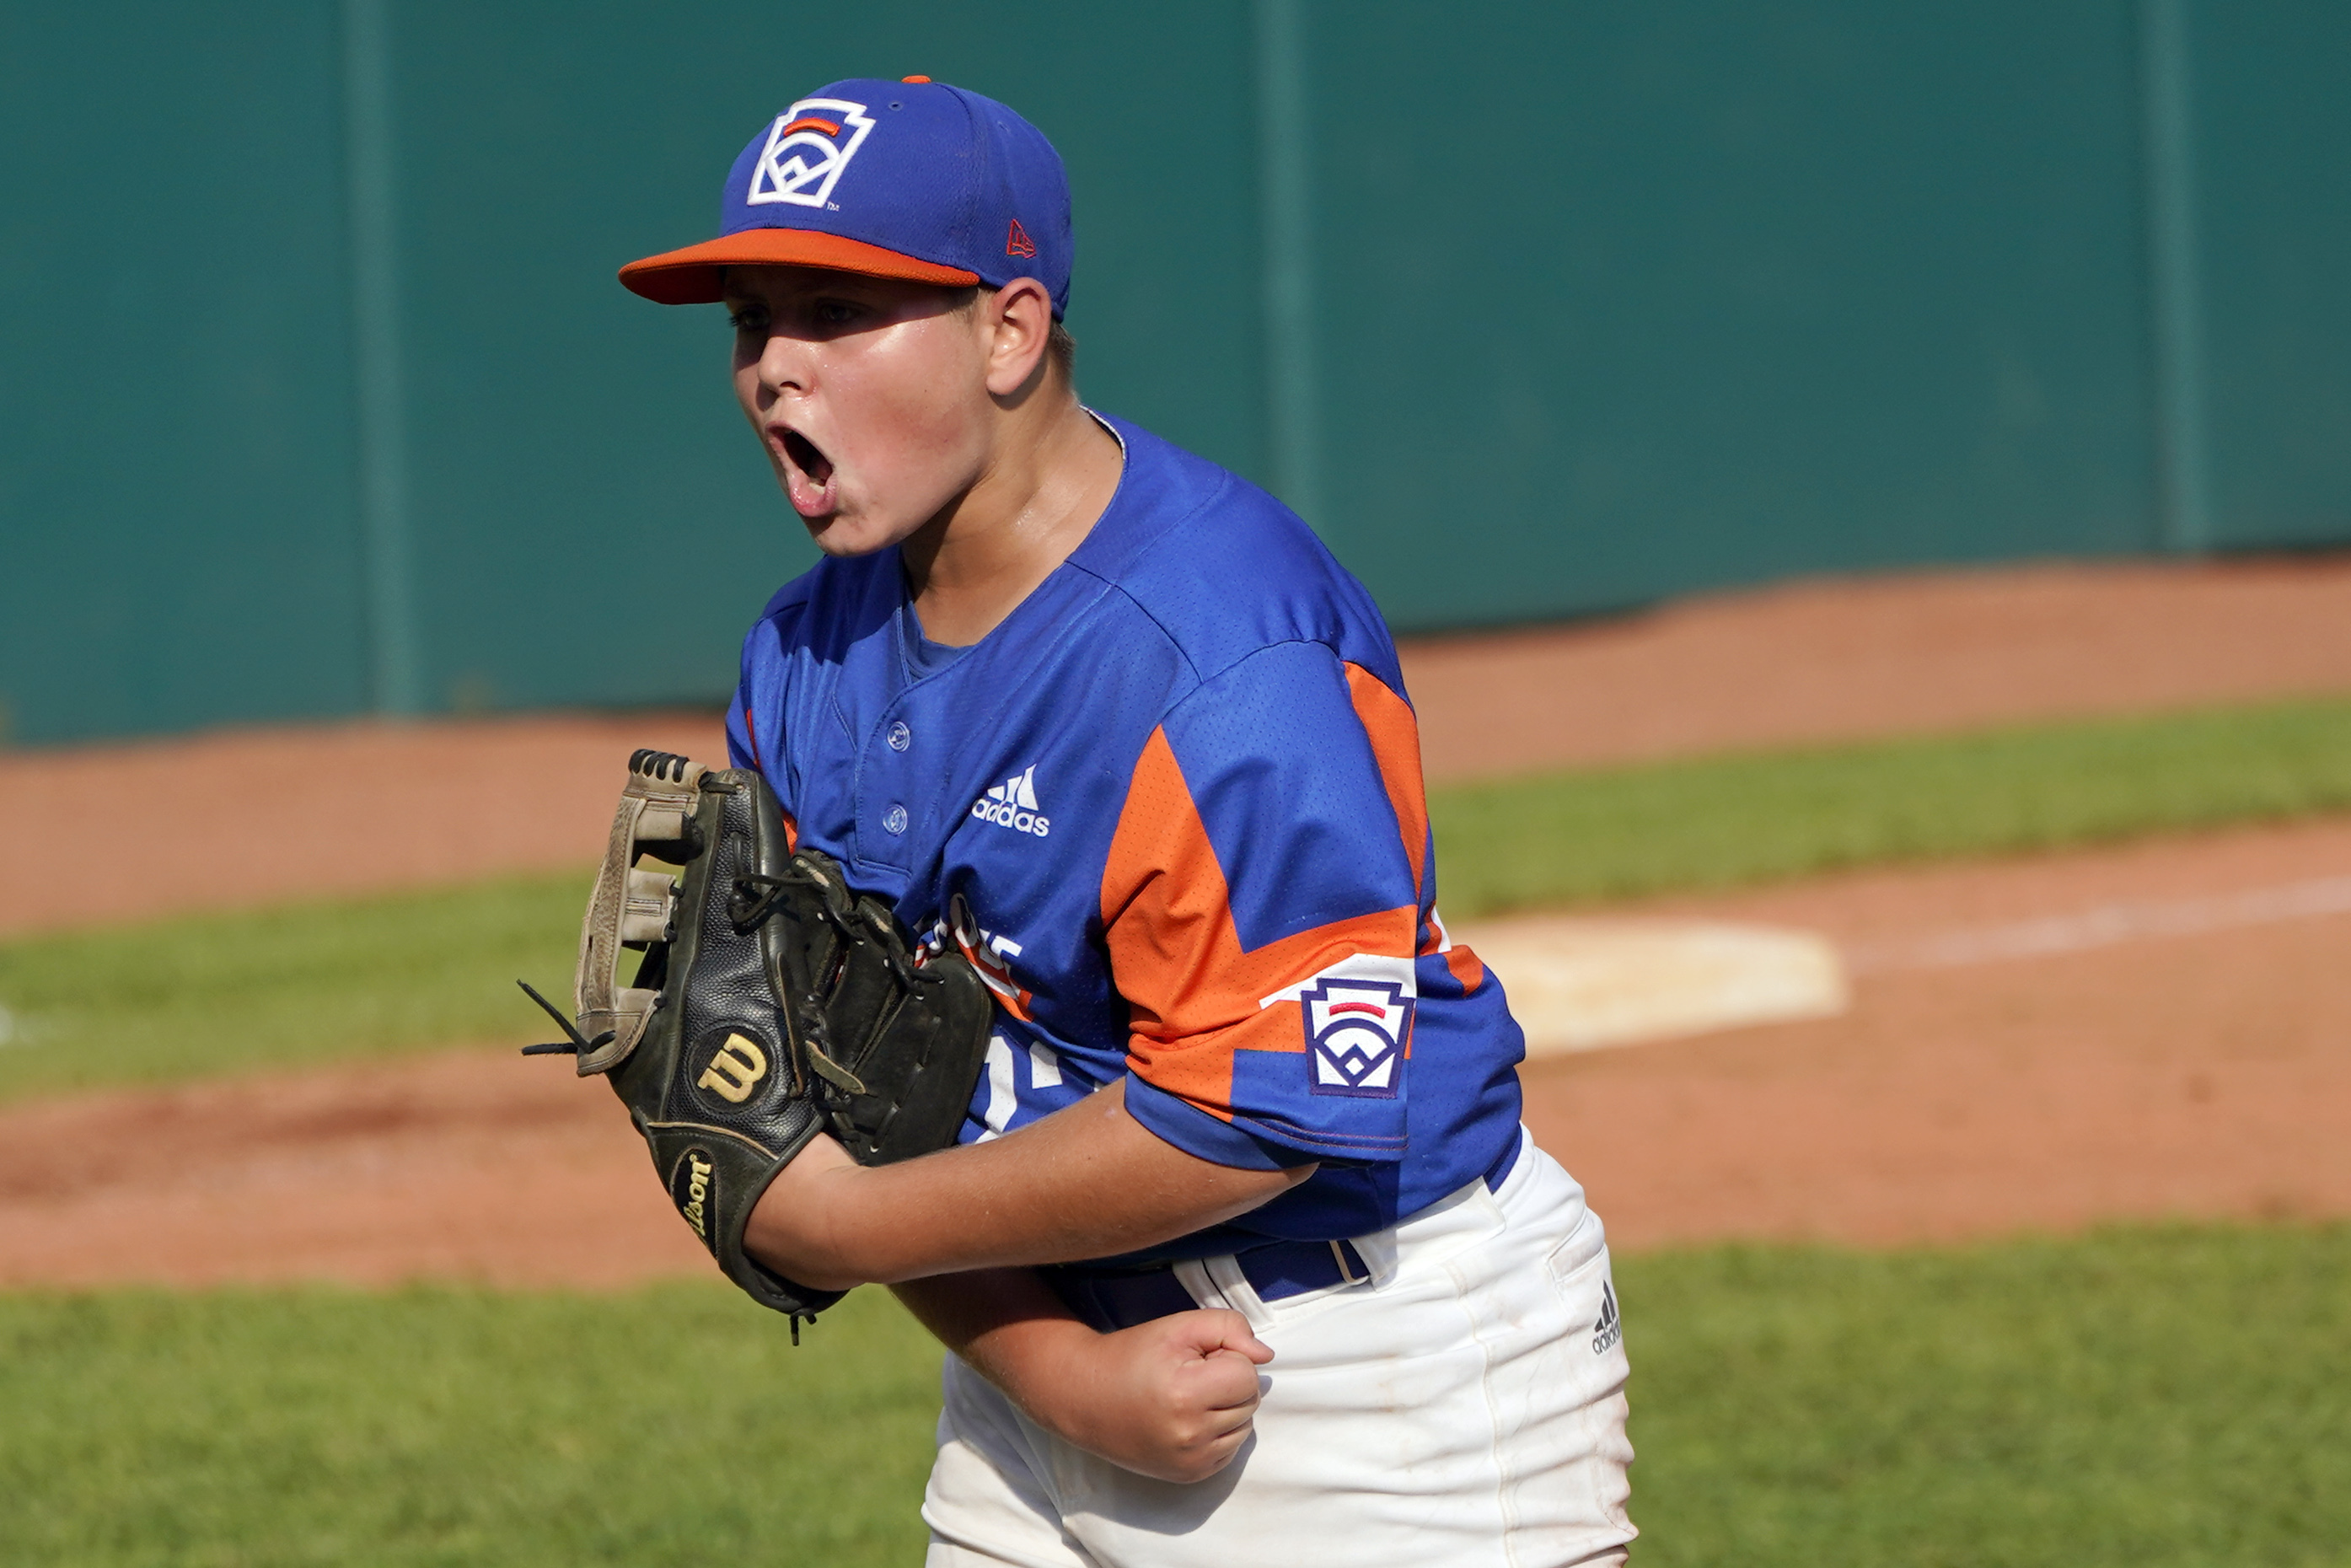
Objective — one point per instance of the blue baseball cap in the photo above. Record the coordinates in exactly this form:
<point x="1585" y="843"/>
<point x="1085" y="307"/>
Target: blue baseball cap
<point x="909" y="179"/>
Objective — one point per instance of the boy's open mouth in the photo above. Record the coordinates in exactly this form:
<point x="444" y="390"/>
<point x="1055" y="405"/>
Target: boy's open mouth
<point x="810" y="482"/>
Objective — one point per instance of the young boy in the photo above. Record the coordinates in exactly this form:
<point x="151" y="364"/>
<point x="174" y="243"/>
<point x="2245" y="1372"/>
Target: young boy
<point x="1112" y="722"/>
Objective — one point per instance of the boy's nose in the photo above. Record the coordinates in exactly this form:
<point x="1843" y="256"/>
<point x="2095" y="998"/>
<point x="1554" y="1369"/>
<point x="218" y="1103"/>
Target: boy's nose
<point x="785" y="363"/>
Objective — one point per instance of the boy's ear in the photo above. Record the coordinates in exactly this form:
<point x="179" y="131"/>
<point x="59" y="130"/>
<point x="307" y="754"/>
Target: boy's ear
<point x="1020" y="317"/>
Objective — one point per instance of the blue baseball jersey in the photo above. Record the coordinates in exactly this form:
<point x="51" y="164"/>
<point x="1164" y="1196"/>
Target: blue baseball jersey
<point x="1172" y="808"/>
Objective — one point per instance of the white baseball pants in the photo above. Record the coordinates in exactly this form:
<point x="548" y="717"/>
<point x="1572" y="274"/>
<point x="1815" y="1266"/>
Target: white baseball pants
<point x="1463" y="1409"/>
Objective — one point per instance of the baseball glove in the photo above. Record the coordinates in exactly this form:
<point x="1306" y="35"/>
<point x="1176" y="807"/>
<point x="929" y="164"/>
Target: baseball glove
<point x="771" y="1004"/>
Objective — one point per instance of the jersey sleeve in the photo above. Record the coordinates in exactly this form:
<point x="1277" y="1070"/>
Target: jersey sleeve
<point x="742" y="740"/>
<point x="1261" y="903"/>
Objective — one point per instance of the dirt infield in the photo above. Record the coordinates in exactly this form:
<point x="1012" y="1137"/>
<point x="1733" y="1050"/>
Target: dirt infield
<point x="2140" y="1076"/>
<point x="249" y="818"/>
<point x="2126" y="1075"/>
<point x="2037" y="1043"/>
<point x="1830" y="661"/>
<point x="474" y="1165"/>
<point x="242" y="818"/>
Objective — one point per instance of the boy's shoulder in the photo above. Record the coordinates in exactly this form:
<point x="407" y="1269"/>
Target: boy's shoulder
<point x="838" y="601"/>
<point x="1220" y="565"/>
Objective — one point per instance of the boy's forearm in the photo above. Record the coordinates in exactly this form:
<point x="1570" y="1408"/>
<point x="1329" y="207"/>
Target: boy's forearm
<point x="1086" y="1182"/>
<point x="1004" y="1323"/>
<point x="1171" y="1398"/>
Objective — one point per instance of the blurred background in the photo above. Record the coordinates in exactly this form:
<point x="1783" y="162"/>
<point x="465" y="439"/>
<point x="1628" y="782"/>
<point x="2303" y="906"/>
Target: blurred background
<point x="322" y="399"/>
<point x="1864" y="491"/>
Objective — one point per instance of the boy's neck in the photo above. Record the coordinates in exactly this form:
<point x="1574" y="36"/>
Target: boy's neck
<point x="1051" y="476"/>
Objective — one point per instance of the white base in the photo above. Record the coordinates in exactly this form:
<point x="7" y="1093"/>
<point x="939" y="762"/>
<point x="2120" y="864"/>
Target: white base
<point x="1579" y="983"/>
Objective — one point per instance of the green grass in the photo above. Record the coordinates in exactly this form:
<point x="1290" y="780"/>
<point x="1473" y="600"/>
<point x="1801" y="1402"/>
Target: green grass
<point x="2154" y="1398"/>
<point x="2140" y="1397"/>
<point x="669" y="1426"/>
<point x="188" y="997"/>
<point x="191" y="998"/>
<point x="1720" y="822"/>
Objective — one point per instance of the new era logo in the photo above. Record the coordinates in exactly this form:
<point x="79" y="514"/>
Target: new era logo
<point x="1017" y="242"/>
<point x="1013" y="804"/>
<point x="808" y="147"/>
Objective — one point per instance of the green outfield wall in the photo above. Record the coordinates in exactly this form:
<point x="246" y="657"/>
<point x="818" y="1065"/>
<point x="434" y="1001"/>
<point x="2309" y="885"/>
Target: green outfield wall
<point x="317" y="395"/>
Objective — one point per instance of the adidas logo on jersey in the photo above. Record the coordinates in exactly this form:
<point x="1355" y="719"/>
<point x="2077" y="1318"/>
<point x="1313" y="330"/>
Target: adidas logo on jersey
<point x="1610" y="1328"/>
<point x="1013" y="804"/>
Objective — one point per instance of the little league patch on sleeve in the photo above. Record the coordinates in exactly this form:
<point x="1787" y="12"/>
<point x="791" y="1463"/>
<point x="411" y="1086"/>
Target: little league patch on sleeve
<point x="1355" y="1031"/>
<point x="1357" y="1015"/>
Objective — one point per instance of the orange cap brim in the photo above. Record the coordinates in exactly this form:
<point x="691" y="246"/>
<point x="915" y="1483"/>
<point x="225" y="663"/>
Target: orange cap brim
<point x="691" y="276"/>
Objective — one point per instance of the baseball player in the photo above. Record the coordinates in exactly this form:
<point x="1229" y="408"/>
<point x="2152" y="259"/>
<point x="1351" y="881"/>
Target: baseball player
<point x="1244" y="1256"/>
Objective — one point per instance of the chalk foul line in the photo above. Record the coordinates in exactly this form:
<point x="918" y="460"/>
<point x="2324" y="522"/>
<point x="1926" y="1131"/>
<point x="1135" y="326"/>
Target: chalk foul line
<point x="2107" y="925"/>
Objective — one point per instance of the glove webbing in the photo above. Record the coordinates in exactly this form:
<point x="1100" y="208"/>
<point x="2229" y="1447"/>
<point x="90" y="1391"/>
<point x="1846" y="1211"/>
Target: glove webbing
<point x="629" y="908"/>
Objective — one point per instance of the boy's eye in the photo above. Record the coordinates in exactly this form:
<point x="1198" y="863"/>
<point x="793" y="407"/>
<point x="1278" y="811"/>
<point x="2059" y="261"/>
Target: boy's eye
<point x="833" y="313"/>
<point x="747" y="321"/>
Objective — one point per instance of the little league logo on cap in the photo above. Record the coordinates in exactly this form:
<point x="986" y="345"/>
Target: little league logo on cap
<point x="910" y="179"/>
<point x="803" y="132"/>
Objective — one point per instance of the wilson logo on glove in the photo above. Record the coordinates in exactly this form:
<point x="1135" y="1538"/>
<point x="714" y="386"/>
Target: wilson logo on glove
<point x="734" y="1070"/>
<point x="696" y="1180"/>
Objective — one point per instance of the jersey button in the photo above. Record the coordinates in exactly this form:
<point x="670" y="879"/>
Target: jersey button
<point x="900" y="736"/>
<point x="893" y="820"/>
